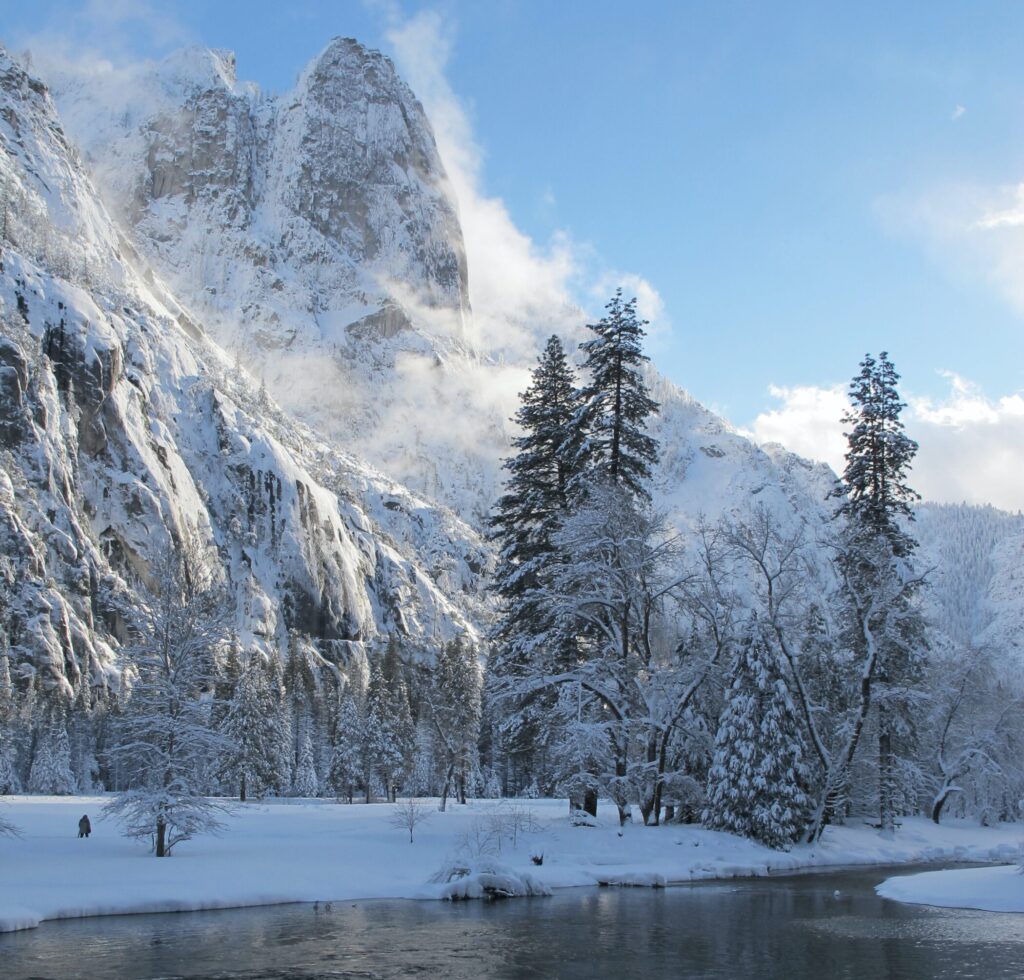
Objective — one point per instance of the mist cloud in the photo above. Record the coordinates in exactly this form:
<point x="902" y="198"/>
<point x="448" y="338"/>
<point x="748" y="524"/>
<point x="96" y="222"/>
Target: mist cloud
<point x="971" y="445"/>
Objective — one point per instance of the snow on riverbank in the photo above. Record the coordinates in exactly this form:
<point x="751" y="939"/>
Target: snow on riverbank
<point x="991" y="889"/>
<point x="290" y="851"/>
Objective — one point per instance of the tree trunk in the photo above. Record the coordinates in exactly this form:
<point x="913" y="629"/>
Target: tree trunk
<point x="241" y="790"/>
<point x="367" y="791"/>
<point x="462" y="787"/>
<point x="590" y="802"/>
<point x="161" y="838"/>
<point x="942" y="799"/>
<point x="446" y="787"/>
<point x="886" y="817"/>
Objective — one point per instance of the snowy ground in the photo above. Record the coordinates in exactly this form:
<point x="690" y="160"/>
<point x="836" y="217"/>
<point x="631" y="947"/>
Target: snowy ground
<point x="290" y="851"/>
<point x="991" y="889"/>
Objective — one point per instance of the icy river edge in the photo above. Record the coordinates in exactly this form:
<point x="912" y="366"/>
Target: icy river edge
<point x="285" y="851"/>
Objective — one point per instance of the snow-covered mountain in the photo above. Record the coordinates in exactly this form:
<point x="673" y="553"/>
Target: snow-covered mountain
<point x="313" y="239"/>
<point x="121" y="424"/>
<point x="316" y="236"/>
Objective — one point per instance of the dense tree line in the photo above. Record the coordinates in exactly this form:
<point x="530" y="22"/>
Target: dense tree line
<point x="763" y="676"/>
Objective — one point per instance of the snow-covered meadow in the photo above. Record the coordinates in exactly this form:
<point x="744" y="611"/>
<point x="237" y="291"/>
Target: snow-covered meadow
<point x="292" y="851"/>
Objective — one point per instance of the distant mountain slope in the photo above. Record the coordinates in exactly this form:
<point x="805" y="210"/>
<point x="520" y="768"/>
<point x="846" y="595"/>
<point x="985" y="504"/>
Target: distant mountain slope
<point x="976" y="583"/>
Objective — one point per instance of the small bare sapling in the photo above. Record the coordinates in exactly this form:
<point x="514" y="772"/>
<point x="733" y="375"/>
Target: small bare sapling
<point x="409" y="815"/>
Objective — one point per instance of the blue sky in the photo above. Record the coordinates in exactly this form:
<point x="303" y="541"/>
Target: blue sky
<point x="792" y="184"/>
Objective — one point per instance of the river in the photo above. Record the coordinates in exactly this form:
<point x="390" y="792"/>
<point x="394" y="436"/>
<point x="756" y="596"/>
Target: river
<point x="823" y="925"/>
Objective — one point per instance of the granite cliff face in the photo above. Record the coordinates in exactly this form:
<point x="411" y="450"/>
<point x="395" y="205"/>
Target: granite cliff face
<point x="314" y="233"/>
<point x="123" y="427"/>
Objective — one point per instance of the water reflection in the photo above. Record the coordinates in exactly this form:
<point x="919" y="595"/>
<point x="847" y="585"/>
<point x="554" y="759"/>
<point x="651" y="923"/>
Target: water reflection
<point x="821" y="925"/>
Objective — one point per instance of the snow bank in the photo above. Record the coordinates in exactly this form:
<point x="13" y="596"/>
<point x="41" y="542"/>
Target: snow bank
<point x="486" y="879"/>
<point x="991" y="889"/>
<point x="305" y="851"/>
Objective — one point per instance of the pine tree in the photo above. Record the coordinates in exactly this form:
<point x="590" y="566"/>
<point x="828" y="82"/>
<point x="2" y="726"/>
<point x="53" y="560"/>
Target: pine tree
<point x="349" y="736"/>
<point x="875" y="497"/>
<point x="536" y="492"/>
<point x="382" y="729"/>
<point x="532" y="508"/>
<point x="399" y="705"/>
<point x="453" y="701"/>
<point x="756" y="785"/>
<point x="306" y="782"/>
<point x="251" y="727"/>
<point x="51" y="767"/>
<point x="616" y="406"/>
<point x="874" y="491"/>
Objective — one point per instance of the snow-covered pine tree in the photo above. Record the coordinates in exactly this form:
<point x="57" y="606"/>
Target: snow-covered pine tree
<point x="616" y="406"/>
<point x="526" y="517"/>
<point x="253" y="759"/>
<point x="305" y="782"/>
<point x="82" y="718"/>
<point x="874" y="491"/>
<point x="453" y="701"/>
<point x="349" y="736"/>
<point x="166" y="742"/>
<point x="399" y="710"/>
<point x="756" y="784"/>
<point x="228" y="671"/>
<point x="51" y="766"/>
<point x="386" y="741"/>
<point x="534" y="502"/>
<point x="875" y="498"/>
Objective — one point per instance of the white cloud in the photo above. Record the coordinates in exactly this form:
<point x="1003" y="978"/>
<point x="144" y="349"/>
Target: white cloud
<point x="974" y="232"/>
<point x="971" y="446"/>
<point x="520" y="290"/>
<point x="958" y="113"/>
<point x="807" y="422"/>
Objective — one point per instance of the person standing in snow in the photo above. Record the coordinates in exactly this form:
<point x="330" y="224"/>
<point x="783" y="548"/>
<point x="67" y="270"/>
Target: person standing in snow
<point x="84" y="827"/>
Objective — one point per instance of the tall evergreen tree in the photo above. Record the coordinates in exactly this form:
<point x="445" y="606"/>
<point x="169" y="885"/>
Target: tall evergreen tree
<point x="384" y="732"/>
<point x="453" y="700"/>
<point x="616" y="405"/>
<point x="526" y="518"/>
<point x="536" y="493"/>
<point x="306" y="782"/>
<point x="254" y="758"/>
<point x="349" y="736"/>
<point x="875" y="498"/>
<point x="51" y="767"/>
<point x="874" y="490"/>
<point x="756" y="784"/>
